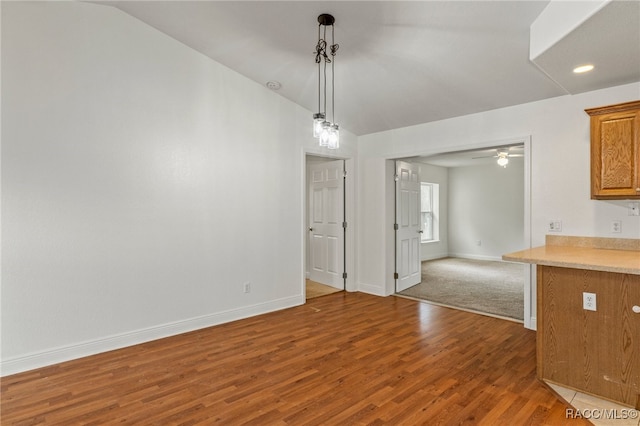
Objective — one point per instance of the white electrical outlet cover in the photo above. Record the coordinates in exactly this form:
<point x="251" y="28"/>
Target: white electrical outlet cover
<point x="555" y="226"/>
<point x="589" y="301"/>
<point x="616" y="226"/>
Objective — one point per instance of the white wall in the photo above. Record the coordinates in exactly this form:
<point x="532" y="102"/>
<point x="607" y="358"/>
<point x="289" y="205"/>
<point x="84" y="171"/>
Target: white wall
<point x="486" y="205"/>
<point x="559" y="130"/>
<point x="440" y="175"/>
<point x="136" y="199"/>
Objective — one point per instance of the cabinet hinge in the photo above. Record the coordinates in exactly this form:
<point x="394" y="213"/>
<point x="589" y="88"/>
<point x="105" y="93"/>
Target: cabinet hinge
<point x="344" y="275"/>
<point x="395" y="276"/>
<point x="395" y="226"/>
<point x="344" y="225"/>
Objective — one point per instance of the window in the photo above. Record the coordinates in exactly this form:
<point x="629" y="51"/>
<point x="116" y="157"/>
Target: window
<point x="429" y="209"/>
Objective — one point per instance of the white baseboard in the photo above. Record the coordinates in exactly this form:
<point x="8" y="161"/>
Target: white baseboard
<point x="532" y="324"/>
<point x="475" y="256"/>
<point x="79" y="350"/>
<point x="371" y="289"/>
<point x="435" y="256"/>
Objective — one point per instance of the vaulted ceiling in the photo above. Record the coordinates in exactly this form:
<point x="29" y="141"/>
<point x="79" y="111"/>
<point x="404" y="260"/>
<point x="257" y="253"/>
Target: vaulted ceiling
<point x="402" y="63"/>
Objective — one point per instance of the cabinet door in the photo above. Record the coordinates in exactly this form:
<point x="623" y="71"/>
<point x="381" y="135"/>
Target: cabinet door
<point x="615" y="155"/>
<point x="596" y="352"/>
<point x="619" y="338"/>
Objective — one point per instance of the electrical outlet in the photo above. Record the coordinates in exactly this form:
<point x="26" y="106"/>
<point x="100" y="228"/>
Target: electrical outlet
<point x="247" y="287"/>
<point x="589" y="301"/>
<point x="634" y="210"/>
<point x="616" y="226"/>
<point x="554" y="226"/>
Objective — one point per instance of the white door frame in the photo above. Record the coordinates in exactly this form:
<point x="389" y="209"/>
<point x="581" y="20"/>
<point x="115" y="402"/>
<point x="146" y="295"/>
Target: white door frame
<point x="529" y="276"/>
<point x="326" y="218"/>
<point x="349" y="206"/>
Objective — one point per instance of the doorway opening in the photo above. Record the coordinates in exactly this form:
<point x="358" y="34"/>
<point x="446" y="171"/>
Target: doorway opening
<point x="326" y="225"/>
<point x="481" y="212"/>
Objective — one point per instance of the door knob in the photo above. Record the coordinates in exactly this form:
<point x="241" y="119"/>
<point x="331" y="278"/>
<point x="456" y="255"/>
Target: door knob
<point x="636" y="309"/>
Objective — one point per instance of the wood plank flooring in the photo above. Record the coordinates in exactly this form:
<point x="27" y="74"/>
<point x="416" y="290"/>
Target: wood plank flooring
<point x="341" y="359"/>
<point x="314" y="289"/>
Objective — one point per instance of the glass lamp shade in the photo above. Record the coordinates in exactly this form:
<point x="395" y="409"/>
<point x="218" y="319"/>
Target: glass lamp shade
<point x="325" y="133"/>
<point x="318" y="119"/>
<point x="334" y="137"/>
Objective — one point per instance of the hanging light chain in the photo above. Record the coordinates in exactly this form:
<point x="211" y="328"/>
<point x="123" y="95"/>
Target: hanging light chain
<point x="333" y="49"/>
<point x="321" y="51"/>
<point x="326" y="59"/>
<point x="319" y="48"/>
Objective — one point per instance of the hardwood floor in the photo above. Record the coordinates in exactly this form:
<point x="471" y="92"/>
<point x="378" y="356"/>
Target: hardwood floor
<point x="341" y="359"/>
<point x="314" y="289"/>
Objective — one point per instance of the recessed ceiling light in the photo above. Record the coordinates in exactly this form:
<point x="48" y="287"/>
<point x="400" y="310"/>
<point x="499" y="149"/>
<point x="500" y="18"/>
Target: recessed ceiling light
<point x="583" y="68"/>
<point x="273" y="85"/>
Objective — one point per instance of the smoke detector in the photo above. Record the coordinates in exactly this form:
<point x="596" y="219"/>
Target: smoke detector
<point x="273" y="85"/>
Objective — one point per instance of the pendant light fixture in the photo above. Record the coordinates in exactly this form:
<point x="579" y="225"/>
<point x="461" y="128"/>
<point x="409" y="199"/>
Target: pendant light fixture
<point x="327" y="132"/>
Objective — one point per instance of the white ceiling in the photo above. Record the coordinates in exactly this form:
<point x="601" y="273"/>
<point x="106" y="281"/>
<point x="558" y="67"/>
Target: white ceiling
<point x="400" y="63"/>
<point x="610" y="40"/>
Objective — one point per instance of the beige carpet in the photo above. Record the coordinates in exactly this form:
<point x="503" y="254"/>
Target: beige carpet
<point x="491" y="287"/>
<point x="315" y="289"/>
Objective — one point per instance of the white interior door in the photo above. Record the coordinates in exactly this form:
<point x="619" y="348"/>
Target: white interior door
<point x="408" y="233"/>
<point x="326" y="217"/>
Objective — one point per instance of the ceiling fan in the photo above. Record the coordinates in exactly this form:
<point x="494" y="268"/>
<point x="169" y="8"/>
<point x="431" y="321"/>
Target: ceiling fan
<point x="502" y="154"/>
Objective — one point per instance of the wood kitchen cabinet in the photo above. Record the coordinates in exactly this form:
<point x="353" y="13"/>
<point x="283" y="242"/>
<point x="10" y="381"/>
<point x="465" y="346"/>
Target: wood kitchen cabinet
<point x="596" y="352"/>
<point x="615" y="151"/>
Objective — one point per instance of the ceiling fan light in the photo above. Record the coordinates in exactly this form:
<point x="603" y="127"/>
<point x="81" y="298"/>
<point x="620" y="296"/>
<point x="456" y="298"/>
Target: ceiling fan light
<point x="503" y="160"/>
